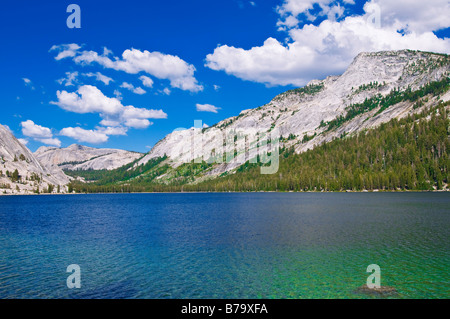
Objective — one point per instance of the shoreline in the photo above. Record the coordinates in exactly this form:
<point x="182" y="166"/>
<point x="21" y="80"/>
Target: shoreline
<point x="232" y="192"/>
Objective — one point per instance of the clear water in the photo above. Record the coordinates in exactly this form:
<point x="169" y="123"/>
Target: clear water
<point x="307" y="245"/>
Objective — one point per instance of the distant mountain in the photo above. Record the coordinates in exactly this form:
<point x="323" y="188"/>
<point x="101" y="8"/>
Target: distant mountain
<point x="79" y="157"/>
<point x="377" y="88"/>
<point x="22" y="173"/>
<point x="303" y="116"/>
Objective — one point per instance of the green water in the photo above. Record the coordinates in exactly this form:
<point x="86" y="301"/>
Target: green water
<point x="307" y="245"/>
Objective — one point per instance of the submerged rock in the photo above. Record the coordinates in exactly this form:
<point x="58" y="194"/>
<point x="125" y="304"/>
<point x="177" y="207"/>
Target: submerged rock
<point x="382" y="291"/>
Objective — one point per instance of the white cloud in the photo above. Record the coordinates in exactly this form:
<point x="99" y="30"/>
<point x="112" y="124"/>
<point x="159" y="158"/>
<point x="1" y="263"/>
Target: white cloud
<point x="207" y="108"/>
<point x="81" y="135"/>
<point x="70" y="79"/>
<point x="100" y="77"/>
<point x="30" y="129"/>
<point x="115" y="130"/>
<point x="106" y="51"/>
<point x="272" y="63"/>
<point x="415" y="16"/>
<point x="126" y="85"/>
<point x="65" y="50"/>
<point x="160" y="65"/>
<point x="296" y="7"/>
<point x="110" y="123"/>
<point x="118" y="95"/>
<point x="289" y="22"/>
<point x="138" y="123"/>
<point x="216" y="87"/>
<point x="328" y="48"/>
<point x="136" y="90"/>
<point x="28" y="83"/>
<point x="130" y="112"/>
<point x="89" y="99"/>
<point x="50" y="141"/>
<point x="291" y="10"/>
<point x="39" y="133"/>
<point x="23" y="141"/>
<point x="146" y="81"/>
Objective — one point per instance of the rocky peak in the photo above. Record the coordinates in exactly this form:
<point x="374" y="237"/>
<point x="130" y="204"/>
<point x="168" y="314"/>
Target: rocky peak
<point x="32" y="174"/>
<point x="80" y="157"/>
<point x="301" y="112"/>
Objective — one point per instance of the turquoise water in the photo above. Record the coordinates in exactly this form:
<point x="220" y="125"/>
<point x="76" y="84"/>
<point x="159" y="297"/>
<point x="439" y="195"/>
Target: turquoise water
<point x="256" y="245"/>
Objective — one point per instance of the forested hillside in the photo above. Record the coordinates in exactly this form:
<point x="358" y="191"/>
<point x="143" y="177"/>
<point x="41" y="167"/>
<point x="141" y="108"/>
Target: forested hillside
<point x="407" y="154"/>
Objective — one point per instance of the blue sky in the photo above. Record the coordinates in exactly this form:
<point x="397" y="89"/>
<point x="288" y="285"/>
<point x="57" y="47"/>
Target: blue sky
<point x="137" y="70"/>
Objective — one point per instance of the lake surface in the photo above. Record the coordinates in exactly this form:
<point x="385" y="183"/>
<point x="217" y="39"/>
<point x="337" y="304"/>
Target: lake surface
<point x="247" y="245"/>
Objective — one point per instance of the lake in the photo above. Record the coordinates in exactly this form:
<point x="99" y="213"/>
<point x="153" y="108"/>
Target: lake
<point x="225" y="245"/>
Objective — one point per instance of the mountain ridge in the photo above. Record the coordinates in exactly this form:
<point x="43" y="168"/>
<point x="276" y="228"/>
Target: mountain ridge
<point x="300" y="112"/>
<point x="376" y="88"/>
<point x="80" y="157"/>
<point x="22" y="173"/>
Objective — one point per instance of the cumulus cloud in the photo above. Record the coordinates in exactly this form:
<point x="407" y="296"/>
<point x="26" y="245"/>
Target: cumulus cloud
<point x="111" y="123"/>
<point x="160" y="65"/>
<point x="295" y="7"/>
<point x="81" y="135"/>
<point x="23" y="141"/>
<point x="146" y="81"/>
<point x="50" y="141"/>
<point x="415" y="16"/>
<point x="315" y="51"/>
<point x="30" y="129"/>
<point x="70" y="79"/>
<point x="138" y="123"/>
<point x="39" y="133"/>
<point x="118" y="95"/>
<point x="28" y="83"/>
<point x="89" y="99"/>
<point x="130" y="112"/>
<point x="113" y="130"/>
<point x="136" y="90"/>
<point x="207" y="108"/>
<point x="99" y="77"/>
<point x="65" y="50"/>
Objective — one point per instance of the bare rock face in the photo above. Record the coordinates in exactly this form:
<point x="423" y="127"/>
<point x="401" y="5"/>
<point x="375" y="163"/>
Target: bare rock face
<point x="21" y="172"/>
<point x="78" y="157"/>
<point x="301" y="112"/>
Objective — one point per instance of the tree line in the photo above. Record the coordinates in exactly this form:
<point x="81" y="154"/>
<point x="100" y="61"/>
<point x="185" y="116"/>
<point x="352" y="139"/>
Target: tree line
<point x="407" y="154"/>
